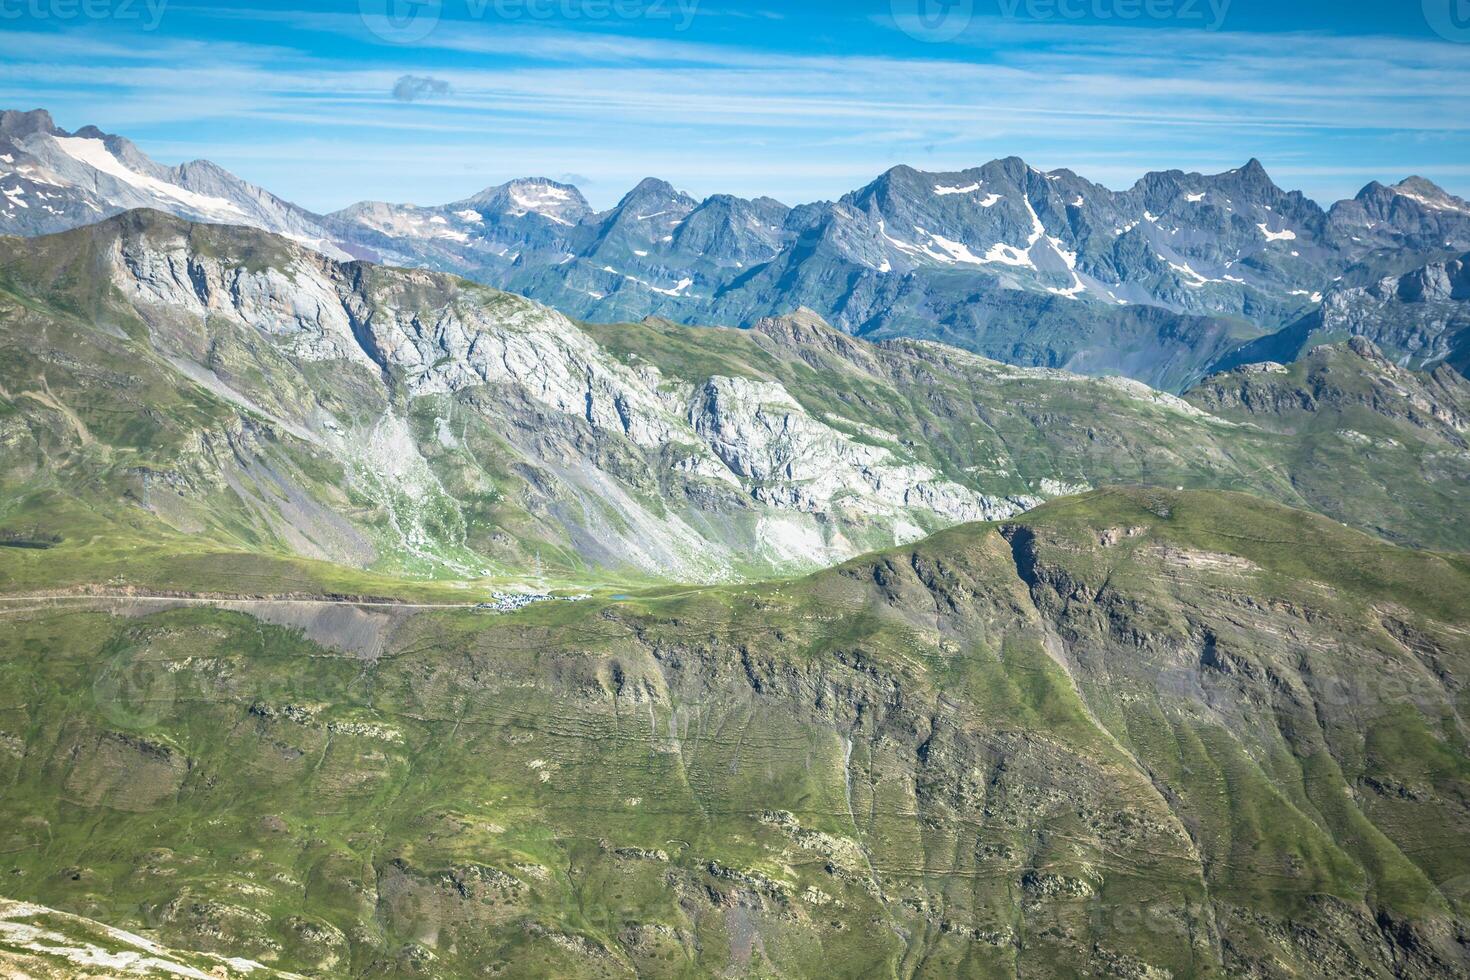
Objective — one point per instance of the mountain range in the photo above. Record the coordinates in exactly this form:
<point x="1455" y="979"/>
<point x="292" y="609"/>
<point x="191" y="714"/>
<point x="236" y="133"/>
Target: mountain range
<point x="223" y="385"/>
<point x="376" y="620"/>
<point x="1164" y="282"/>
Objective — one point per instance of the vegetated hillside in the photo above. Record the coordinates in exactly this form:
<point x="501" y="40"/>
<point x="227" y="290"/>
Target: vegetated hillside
<point x="171" y="389"/>
<point x="1376" y="445"/>
<point x="1136" y="733"/>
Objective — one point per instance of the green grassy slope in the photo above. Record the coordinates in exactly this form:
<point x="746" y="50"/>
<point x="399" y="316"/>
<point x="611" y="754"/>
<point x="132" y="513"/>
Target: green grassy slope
<point x="1370" y="443"/>
<point x="1136" y="733"/>
<point x="1344" y="432"/>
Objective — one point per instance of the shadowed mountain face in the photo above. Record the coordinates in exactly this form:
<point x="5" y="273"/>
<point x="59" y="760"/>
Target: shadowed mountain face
<point x="1139" y="733"/>
<point x="1159" y="282"/>
<point x="1419" y="317"/>
<point x="199" y="384"/>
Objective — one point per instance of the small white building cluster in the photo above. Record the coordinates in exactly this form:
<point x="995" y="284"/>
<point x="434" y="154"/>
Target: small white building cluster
<point x="504" y="602"/>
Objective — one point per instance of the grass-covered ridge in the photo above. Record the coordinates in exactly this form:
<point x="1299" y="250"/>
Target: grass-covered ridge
<point x="1137" y="730"/>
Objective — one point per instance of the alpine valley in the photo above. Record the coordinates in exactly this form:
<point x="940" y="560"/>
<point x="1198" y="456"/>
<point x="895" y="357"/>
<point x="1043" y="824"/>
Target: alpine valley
<point x="1028" y="579"/>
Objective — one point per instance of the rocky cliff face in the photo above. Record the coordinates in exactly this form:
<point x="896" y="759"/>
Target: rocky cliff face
<point x="365" y="414"/>
<point x="1419" y="317"/>
<point x="421" y="344"/>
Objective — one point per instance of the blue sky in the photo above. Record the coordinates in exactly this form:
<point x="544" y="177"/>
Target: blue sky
<point x="798" y="101"/>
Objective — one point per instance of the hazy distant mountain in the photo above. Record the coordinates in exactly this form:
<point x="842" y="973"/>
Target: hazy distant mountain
<point x="1159" y="282"/>
<point x="1419" y="317"/>
<point x="483" y="235"/>
<point x="53" y="180"/>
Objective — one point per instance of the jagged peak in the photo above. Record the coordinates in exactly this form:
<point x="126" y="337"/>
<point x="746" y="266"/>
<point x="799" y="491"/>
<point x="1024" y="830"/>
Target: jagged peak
<point x="652" y="193"/>
<point x="1255" y="168"/>
<point x="655" y="187"/>
<point x="1251" y="174"/>
<point x="15" y="122"/>
<point x="1371" y="189"/>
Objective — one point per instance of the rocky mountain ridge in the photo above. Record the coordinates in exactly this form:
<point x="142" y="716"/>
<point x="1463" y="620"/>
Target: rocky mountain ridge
<point x="237" y="385"/>
<point x="1159" y="282"/>
<point x="53" y="180"/>
<point x="1420" y="316"/>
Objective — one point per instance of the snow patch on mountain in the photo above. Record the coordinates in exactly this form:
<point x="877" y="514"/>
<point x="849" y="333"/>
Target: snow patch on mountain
<point x="1442" y="203"/>
<point x="1193" y="277"/>
<point x="1077" y="288"/>
<point x="94" y="153"/>
<point x="1004" y="254"/>
<point x="956" y="251"/>
<point x="542" y="199"/>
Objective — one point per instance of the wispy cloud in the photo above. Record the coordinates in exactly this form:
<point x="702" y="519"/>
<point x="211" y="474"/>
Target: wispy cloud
<point x="1109" y="103"/>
